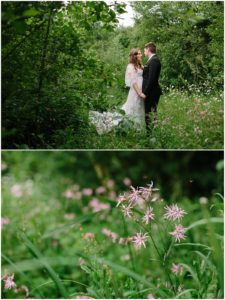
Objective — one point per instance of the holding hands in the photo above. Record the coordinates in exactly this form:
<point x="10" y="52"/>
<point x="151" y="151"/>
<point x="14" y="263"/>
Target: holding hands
<point x="142" y="95"/>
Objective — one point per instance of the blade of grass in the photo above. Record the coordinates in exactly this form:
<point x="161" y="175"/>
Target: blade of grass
<point x="52" y="282"/>
<point x="37" y="254"/>
<point x="193" y="244"/>
<point x="192" y="272"/>
<point x="34" y="264"/>
<point x="205" y="221"/>
<point x="62" y="228"/>
<point x="184" y="292"/>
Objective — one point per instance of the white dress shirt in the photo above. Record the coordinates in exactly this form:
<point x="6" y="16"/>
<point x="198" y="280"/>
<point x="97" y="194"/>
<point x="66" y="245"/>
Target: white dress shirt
<point x="150" y="56"/>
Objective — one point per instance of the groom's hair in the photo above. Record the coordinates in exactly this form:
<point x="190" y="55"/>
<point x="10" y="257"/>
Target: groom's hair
<point x="151" y="46"/>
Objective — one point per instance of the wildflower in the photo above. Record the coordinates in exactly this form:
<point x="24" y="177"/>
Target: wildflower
<point x="110" y="183"/>
<point x="127" y="211"/>
<point x="100" y="190"/>
<point x="150" y="296"/>
<point x="120" y="199"/>
<point x="146" y="192"/>
<point x="134" y="194"/>
<point x="173" y="212"/>
<point x="87" y="191"/>
<point x="88" y="235"/>
<point x="16" y="190"/>
<point x="127" y="181"/>
<point x="78" y="195"/>
<point x="148" y="215"/>
<point x="97" y="206"/>
<point x="4" y="221"/>
<point x="69" y="194"/>
<point x="24" y="289"/>
<point x="176" y="269"/>
<point x="122" y="241"/>
<point x="9" y="283"/>
<point x="112" y="195"/>
<point x="109" y="234"/>
<point x="125" y="257"/>
<point x="139" y="240"/>
<point x="178" y="233"/>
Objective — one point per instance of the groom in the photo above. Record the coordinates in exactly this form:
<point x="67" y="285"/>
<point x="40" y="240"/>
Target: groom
<point x="150" y="87"/>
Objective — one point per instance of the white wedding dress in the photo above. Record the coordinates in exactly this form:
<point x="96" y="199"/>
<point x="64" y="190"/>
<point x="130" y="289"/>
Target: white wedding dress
<point x="133" y="107"/>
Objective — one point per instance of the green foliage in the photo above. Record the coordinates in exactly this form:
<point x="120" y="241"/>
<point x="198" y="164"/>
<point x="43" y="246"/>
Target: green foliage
<point x="60" y="62"/>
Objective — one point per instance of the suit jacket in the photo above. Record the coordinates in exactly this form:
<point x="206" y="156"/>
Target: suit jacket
<point x="150" y="86"/>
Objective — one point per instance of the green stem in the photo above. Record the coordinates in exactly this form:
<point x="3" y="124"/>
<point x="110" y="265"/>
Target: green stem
<point x="162" y="261"/>
<point x="128" y="244"/>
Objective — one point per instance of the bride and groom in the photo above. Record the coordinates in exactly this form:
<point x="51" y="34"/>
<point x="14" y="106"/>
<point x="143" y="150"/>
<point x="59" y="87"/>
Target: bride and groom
<point x="143" y="96"/>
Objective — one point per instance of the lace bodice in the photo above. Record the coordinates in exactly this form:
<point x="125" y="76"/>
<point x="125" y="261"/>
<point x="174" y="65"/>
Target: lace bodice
<point x="132" y="75"/>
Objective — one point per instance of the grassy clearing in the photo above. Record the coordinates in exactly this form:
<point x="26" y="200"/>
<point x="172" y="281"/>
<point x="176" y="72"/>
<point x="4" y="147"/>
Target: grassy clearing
<point x="186" y="120"/>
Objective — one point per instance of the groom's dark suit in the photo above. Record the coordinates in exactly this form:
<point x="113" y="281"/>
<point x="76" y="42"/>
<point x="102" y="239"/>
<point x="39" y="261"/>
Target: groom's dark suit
<point x="150" y="86"/>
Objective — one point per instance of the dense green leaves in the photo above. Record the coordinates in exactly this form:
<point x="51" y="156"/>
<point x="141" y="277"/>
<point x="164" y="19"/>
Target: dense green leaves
<point x="61" y="61"/>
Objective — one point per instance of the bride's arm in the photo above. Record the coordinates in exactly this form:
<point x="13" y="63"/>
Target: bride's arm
<point x="131" y="80"/>
<point x="138" y="91"/>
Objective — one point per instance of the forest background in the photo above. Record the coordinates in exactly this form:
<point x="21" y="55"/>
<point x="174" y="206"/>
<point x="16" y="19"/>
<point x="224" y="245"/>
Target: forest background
<point x="61" y="60"/>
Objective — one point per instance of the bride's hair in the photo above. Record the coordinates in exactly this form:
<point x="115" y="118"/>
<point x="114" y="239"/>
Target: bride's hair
<point x="132" y="59"/>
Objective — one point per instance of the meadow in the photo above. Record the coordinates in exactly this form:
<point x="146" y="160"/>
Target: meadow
<point x="74" y="228"/>
<point x="187" y="119"/>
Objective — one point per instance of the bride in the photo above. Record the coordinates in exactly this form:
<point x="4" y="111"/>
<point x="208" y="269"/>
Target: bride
<point x="134" y="105"/>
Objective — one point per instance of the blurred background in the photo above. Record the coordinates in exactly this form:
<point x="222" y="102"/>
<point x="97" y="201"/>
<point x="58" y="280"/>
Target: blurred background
<point x="189" y="174"/>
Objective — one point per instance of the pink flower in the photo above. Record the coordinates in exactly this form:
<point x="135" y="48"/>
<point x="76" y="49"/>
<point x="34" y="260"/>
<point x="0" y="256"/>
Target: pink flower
<point x="176" y="269"/>
<point x="127" y="211"/>
<point x="83" y="297"/>
<point x="24" y="289"/>
<point x="139" y="240"/>
<point x="100" y="190"/>
<point x="78" y="195"/>
<point x="134" y="194"/>
<point x="125" y="257"/>
<point x="121" y="199"/>
<point x="4" y="221"/>
<point x="16" y="190"/>
<point x="127" y="181"/>
<point x="146" y="192"/>
<point x="173" y="212"/>
<point x="88" y="235"/>
<point x="87" y="191"/>
<point x="97" y="206"/>
<point x="9" y="283"/>
<point x="150" y="296"/>
<point x="122" y="241"/>
<point x="110" y="183"/>
<point x="178" y="233"/>
<point x="109" y="234"/>
<point x="112" y="195"/>
<point x="69" y="194"/>
<point x="148" y="215"/>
